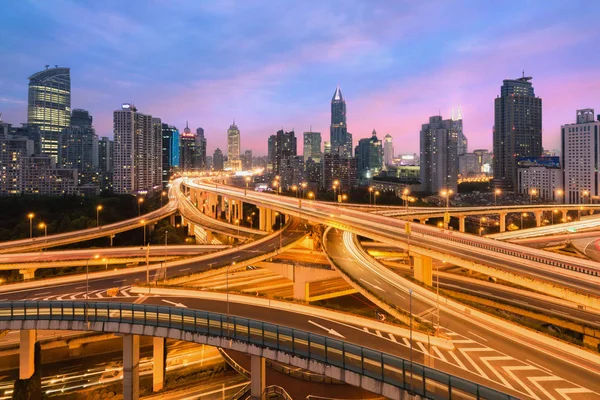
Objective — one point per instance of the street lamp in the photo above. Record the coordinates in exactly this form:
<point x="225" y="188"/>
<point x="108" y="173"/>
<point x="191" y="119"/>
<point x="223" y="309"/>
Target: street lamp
<point x="311" y="195"/>
<point x="162" y="195"/>
<point x="482" y="219"/>
<point x="30" y="216"/>
<point x="247" y="179"/>
<point x="405" y="194"/>
<point x="295" y="189"/>
<point x="375" y="198"/>
<point x="532" y="193"/>
<point x="98" y="209"/>
<point x="334" y="193"/>
<point x="497" y="192"/>
<point x="143" y="222"/>
<point x="304" y="185"/>
<point x="140" y="201"/>
<point x="560" y="193"/>
<point x="447" y="193"/>
<point x="344" y="197"/>
<point x="43" y="226"/>
<point x="370" y="193"/>
<point x="276" y="186"/>
<point x="585" y="193"/>
<point x="524" y="215"/>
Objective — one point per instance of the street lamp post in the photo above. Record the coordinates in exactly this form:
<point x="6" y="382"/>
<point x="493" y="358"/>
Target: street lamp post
<point x="87" y="282"/>
<point x="375" y="198"/>
<point x="447" y="194"/>
<point x="554" y="212"/>
<point x="560" y="193"/>
<point x="497" y="192"/>
<point x="311" y="195"/>
<point x="303" y="185"/>
<point x="411" y="341"/>
<point x="162" y="195"/>
<point x="143" y="222"/>
<point x="370" y="194"/>
<point x="405" y="194"/>
<point x="43" y="226"/>
<point x="98" y="209"/>
<point x="482" y="219"/>
<point x="247" y="179"/>
<point x="166" y="252"/>
<point x="532" y="193"/>
<point x="30" y="216"/>
<point x="584" y="194"/>
<point x="523" y="216"/>
<point x="140" y="201"/>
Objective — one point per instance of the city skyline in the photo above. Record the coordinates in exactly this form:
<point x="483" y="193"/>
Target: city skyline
<point x="390" y="82"/>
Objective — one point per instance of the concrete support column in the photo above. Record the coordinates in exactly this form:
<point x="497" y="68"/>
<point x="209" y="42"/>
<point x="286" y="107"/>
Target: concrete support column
<point x="229" y="206"/>
<point x="502" y="222"/>
<point x="301" y="290"/>
<point x="258" y="381"/>
<point x="131" y="367"/>
<point x="423" y="268"/>
<point x="209" y="237"/>
<point x="158" y="370"/>
<point x="461" y="223"/>
<point x="564" y="215"/>
<point x="538" y="218"/>
<point x="423" y="220"/>
<point x="262" y="218"/>
<point x="26" y="353"/>
<point x="269" y="220"/>
<point x="172" y="220"/>
<point x="240" y="214"/>
<point x="28" y="273"/>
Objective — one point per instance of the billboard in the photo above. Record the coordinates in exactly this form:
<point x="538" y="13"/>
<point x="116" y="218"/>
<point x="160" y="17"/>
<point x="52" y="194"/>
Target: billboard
<point x="548" y="162"/>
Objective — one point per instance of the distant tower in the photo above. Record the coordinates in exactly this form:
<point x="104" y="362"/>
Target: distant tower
<point x="187" y="152"/>
<point x="388" y="150"/>
<point x="340" y="139"/>
<point x="234" y="148"/>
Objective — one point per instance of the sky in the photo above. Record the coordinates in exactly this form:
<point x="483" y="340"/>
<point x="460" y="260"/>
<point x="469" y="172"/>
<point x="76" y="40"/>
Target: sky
<point x="273" y="64"/>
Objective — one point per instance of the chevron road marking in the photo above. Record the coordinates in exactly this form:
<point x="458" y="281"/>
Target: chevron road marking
<point x="536" y="379"/>
<point x="510" y="369"/>
<point x="486" y="361"/>
<point x="564" y="392"/>
<point x="392" y="338"/>
<point x="458" y="362"/>
<point x="423" y="349"/>
<point x="475" y="349"/>
<point x="439" y="354"/>
<point x="75" y="295"/>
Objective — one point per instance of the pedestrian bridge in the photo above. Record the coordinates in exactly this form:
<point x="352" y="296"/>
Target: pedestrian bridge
<point x="375" y="371"/>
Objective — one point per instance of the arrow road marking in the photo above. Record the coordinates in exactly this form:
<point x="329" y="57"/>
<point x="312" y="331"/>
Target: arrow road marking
<point x="174" y="304"/>
<point x="330" y="331"/>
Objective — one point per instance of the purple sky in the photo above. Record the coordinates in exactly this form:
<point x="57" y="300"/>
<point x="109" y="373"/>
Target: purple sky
<point x="273" y="64"/>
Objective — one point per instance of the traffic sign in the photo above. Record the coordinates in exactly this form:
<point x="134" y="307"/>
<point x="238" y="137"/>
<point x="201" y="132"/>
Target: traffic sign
<point x="572" y="229"/>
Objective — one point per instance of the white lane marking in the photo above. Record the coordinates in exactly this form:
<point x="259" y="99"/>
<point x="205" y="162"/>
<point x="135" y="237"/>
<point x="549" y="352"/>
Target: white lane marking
<point x="80" y="287"/>
<point x="458" y="362"/>
<point x="439" y="354"/>
<point x="565" y="391"/>
<point x="73" y="296"/>
<point x="371" y="284"/>
<point x="476" y="335"/>
<point x="560" y="312"/>
<point x="378" y="333"/>
<point x="184" y="269"/>
<point x="538" y="365"/>
<point x="122" y="280"/>
<point x="329" y="330"/>
<point x="174" y="304"/>
<point x="99" y="295"/>
<point x="42" y="294"/>
<point x="509" y="370"/>
<point x="366" y="330"/>
<point x="125" y="294"/>
<point x="406" y="342"/>
<point x="459" y="341"/>
<point x="475" y="349"/>
<point x="536" y="379"/>
<point x="399" y="295"/>
<point x="422" y="347"/>
<point x="486" y="361"/>
<point x="392" y="338"/>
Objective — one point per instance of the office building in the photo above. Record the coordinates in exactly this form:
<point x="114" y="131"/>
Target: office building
<point x="79" y="150"/>
<point x="369" y="157"/>
<point x="517" y="129"/>
<point x="170" y="152"/>
<point x="313" y="172"/>
<point x="281" y="146"/>
<point x="13" y="151"/>
<point x="292" y="172"/>
<point x="326" y="147"/>
<point x="439" y="154"/>
<point x="463" y="143"/>
<point x="49" y="106"/>
<point x="540" y="177"/>
<point x="407" y="159"/>
<point x="200" y="156"/>
<point x="187" y="149"/>
<point x="105" y="164"/>
<point x="218" y="162"/>
<point x="312" y="146"/>
<point x="82" y="118"/>
<point x="338" y="167"/>
<point x="475" y="164"/>
<point x="247" y="160"/>
<point x="137" y="151"/>
<point x="388" y="150"/>
<point x="340" y="138"/>
<point x="580" y="157"/>
<point x="233" y="147"/>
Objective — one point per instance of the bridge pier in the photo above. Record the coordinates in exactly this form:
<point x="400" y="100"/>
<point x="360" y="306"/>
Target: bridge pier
<point x="230" y="204"/>
<point x="301" y="290"/>
<point x="423" y="220"/>
<point x="28" y="273"/>
<point x="538" y="218"/>
<point x="564" y="215"/>
<point x="172" y="220"/>
<point x="158" y="370"/>
<point x="131" y="367"/>
<point x="26" y="353"/>
<point x="262" y="218"/>
<point x="258" y="381"/>
<point x="209" y="237"/>
<point x="423" y="269"/>
<point x="502" y="217"/>
<point x="461" y="223"/>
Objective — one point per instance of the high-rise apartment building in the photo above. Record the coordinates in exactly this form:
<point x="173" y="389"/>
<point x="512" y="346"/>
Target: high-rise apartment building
<point x="312" y="146"/>
<point x="170" y="152"/>
<point x="581" y="154"/>
<point x="79" y="150"/>
<point x="137" y="151"/>
<point x="340" y="168"/>
<point x="388" y="150"/>
<point x="281" y="146"/>
<point x="233" y="147"/>
<point x="200" y="157"/>
<point x="217" y="160"/>
<point x="340" y="138"/>
<point x="439" y="154"/>
<point x="247" y="160"/>
<point x="105" y="164"/>
<point x="517" y="129"/>
<point x="539" y="177"/>
<point x="81" y="117"/>
<point x="369" y="157"/>
<point x="187" y="149"/>
<point x="49" y="106"/>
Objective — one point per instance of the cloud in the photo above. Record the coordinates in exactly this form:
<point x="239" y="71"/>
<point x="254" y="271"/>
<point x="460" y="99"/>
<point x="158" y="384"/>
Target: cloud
<point x="12" y="101"/>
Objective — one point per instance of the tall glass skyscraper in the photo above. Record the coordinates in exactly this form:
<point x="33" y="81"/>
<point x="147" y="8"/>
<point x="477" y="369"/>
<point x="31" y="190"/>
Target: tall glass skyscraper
<point x="517" y="129"/>
<point x="49" y="106"/>
<point x="341" y="140"/>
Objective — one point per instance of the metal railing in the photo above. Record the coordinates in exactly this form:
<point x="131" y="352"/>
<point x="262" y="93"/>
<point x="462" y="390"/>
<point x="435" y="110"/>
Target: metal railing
<point x="276" y="392"/>
<point x="383" y="367"/>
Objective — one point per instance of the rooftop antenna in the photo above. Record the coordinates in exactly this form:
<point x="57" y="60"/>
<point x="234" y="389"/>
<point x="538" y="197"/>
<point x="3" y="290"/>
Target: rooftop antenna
<point x="47" y="66"/>
<point x="523" y="73"/>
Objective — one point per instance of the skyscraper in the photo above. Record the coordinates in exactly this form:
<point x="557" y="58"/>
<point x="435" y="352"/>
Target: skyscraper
<point x="137" y="151"/>
<point x="312" y="146"/>
<point x="170" y="152"/>
<point x="517" y="129"/>
<point x="105" y="163"/>
<point x="369" y="159"/>
<point x="581" y="153"/>
<point x="341" y="140"/>
<point x="200" y="157"/>
<point x="388" y="150"/>
<point x="187" y="149"/>
<point x="79" y="147"/>
<point x="80" y="117"/>
<point x="463" y="142"/>
<point x="439" y="155"/>
<point x="233" y="147"/>
<point x="218" y="162"/>
<point x="247" y="160"/>
<point x="49" y="106"/>
<point x="281" y="146"/>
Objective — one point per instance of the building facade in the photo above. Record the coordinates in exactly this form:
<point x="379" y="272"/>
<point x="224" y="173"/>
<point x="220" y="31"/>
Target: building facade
<point x="187" y="149"/>
<point x="540" y="177"/>
<point x="439" y="154"/>
<point x="312" y="146"/>
<point x="281" y="146"/>
<point x="49" y="106"/>
<point x="388" y="150"/>
<point x="233" y="147"/>
<point x="137" y="151"/>
<point x="580" y="144"/>
<point x="105" y="164"/>
<point x="340" y="138"/>
<point x="517" y="129"/>
<point x="247" y="163"/>
<point x="218" y="161"/>
<point x="340" y="168"/>
<point x="200" y="156"/>
<point x="170" y="152"/>
<point x="369" y="157"/>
